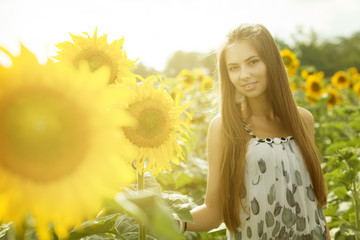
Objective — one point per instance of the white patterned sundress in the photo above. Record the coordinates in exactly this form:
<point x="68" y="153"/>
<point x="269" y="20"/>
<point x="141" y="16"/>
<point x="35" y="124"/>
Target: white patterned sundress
<point x="280" y="196"/>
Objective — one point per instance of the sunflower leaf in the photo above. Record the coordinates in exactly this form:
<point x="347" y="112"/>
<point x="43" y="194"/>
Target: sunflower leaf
<point x="180" y="204"/>
<point x="6" y="232"/>
<point x="98" y="226"/>
<point x="147" y="208"/>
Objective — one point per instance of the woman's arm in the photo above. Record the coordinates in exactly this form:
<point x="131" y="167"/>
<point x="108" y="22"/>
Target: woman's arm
<point x="209" y="215"/>
<point x="309" y="124"/>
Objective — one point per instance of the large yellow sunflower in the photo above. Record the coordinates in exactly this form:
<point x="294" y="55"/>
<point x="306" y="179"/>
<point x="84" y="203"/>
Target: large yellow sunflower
<point x="59" y="143"/>
<point x="159" y="128"/>
<point x="290" y="61"/>
<point x="340" y="80"/>
<point x="98" y="52"/>
<point x="314" y="87"/>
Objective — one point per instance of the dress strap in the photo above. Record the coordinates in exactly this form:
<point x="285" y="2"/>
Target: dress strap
<point x="248" y="129"/>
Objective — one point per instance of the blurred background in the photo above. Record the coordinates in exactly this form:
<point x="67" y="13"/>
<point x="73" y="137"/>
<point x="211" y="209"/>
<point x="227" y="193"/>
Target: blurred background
<point x="167" y="36"/>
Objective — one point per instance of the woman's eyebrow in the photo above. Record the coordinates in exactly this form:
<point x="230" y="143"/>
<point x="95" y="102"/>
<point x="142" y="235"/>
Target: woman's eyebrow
<point x="246" y="60"/>
<point x="251" y="57"/>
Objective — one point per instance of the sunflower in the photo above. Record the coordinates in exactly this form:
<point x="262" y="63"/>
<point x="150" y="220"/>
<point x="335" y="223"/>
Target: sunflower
<point x="177" y="93"/>
<point x="314" y="87"/>
<point x="334" y="98"/>
<point x="159" y="128"/>
<point x="340" y="80"/>
<point x="357" y="89"/>
<point x="290" y="61"/>
<point x="188" y="78"/>
<point x="206" y="83"/>
<point x="305" y="73"/>
<point x="98" y="52"/>
<point x="59" y="143"/>
<point x="199" y="74"/>
<point x="293" y="86"/>
<point x="352" y="70"/>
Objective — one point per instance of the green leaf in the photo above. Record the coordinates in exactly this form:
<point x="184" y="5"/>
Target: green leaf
<point x="101" y="237"/>
<point x="135" y="236"/>
<point x="349" y="230"/>
<point x="331" y="210"/>
<point x="221" y="228"/>
<point x="335" y="147"/>
<point x="341" y="192"/>
<point x="348" y="177"/>
<point x="7" y="232"/>
<point x="151" y="184"/>
<point x="180" y="204"/>
<point x="355" y="124"/>
<point x="125" y="224"/>
<point x="146" y="207"/>
<point x="182" y="179"/>
<point x="100" y="225"/>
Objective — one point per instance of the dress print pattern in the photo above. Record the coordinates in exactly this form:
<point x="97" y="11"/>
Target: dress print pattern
<point x="280" y="201"/>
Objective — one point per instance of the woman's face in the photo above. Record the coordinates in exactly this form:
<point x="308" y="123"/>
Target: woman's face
<point x="246" y="69"/>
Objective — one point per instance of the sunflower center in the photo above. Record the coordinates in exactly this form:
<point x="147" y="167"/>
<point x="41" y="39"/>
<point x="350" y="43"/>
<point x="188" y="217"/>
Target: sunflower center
<point x="287" y="60"/>
<point x="315" y="87"/>
<point x="208" y="85"/>
<point x="189" y="79"/>
<point x="96" y="59"/>
<point x="341" y="79"/>
<point x="41" y="135"/>
<point x="332" y="99"/>
<point x="153" y="128"/>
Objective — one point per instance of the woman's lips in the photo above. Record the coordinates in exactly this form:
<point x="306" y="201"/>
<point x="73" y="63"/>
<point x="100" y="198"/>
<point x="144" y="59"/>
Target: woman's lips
<point x="249" y="86"/>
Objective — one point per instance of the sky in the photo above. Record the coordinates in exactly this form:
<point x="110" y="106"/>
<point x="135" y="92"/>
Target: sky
<point x="155" y="29"/>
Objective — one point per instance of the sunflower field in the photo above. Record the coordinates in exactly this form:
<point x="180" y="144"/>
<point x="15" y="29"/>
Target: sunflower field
<point x="91" y="150"/>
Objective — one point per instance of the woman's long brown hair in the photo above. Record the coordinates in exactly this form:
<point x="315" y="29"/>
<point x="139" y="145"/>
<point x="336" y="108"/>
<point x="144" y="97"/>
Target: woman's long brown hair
<point x="236" y="138"/>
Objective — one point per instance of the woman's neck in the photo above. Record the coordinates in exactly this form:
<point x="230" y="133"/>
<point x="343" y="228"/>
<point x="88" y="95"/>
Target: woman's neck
<point x="261" y="107"/>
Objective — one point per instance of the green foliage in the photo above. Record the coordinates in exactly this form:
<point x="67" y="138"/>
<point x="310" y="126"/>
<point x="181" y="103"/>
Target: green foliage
<point x="337" y="128"/>
<point x="103" y="227"/>
<point x="189" y="60"/>
<point x="343" y="178"/>
<point x="189" y="178"/>
<point x="144" y="71"/>
<point x="327" y="55"/>
<point x="338" y="140"/>
<point x="179" y="204"/>
<point x="6" y="232"/>
<point x="145" y="207"/>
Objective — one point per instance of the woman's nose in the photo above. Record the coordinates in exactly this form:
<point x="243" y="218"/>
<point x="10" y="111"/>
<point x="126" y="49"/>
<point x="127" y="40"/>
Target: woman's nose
<point x="244" y="74"/>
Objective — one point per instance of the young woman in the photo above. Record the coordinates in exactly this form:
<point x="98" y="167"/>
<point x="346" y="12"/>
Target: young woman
<point x="264" y="179"/>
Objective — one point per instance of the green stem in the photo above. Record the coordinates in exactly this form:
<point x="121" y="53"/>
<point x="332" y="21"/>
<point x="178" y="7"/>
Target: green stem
<point x="142" y="230"/>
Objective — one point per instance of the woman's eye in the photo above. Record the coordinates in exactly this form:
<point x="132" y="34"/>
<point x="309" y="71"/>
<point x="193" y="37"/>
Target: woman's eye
<point x="253" y="61"/>
<point x="232" y="68"/>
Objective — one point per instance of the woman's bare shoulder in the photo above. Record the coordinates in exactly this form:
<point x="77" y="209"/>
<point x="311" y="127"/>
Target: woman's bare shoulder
<point x="306" y="115"/>
<point x="215" y="127"/>
<point x="217" y="121"/>
<point x="308" y="119"/>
